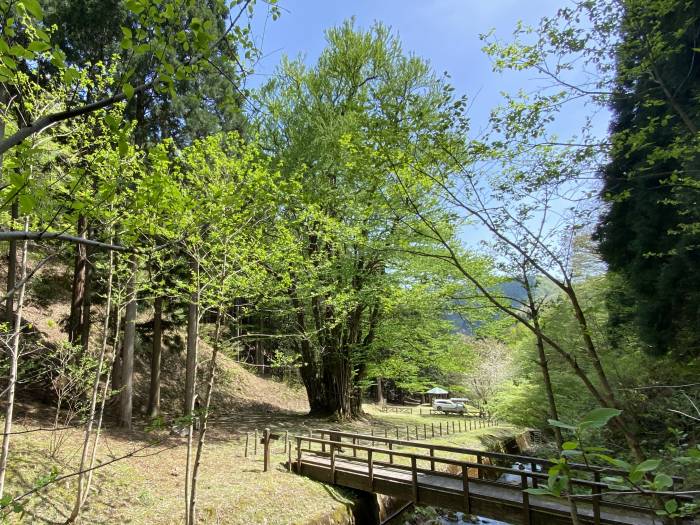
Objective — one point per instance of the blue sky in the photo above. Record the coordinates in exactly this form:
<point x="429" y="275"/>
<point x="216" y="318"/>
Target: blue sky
<point x="445" y="32"/>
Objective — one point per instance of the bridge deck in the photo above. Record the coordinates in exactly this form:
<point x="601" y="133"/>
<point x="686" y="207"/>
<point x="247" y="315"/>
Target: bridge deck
<point x="356" y="466"/>
<point x="447" y="492"/>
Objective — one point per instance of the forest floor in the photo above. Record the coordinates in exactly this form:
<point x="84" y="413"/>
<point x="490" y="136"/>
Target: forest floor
<point x="148" y="488"/>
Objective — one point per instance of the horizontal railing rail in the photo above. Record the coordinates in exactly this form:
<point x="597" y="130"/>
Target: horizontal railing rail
<point x="514" y="458"/>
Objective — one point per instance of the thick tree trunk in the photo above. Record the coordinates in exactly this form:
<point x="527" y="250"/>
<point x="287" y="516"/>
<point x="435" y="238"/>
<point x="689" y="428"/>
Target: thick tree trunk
<point x="337" y="374"/>
<point x="127" y="392"/>
<point x="78" y="292"/>
<point x="14" y="361"/>
<point x="11" y="264"/>
<point x="154" y="390"/>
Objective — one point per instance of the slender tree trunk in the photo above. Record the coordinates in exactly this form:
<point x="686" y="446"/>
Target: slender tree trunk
<point x="11" y="264"/>
<point x="552" y="404"/>
<point x="80" y="497"/>
<point x="542" y="356"/>
<point x="259" y="350"/>
<point x="14" y="362"/>
<point x="380" y="391"/>
<point x="191" y="376"/>
<point x="127" y="393"/>
<point x="86" y="321"/>
<point x="105" y="396"/>
<point x="154" y="390"/>
<point x="191" y="359"/>
<point x="78" y="293"/>
<point x="204" y="419"/>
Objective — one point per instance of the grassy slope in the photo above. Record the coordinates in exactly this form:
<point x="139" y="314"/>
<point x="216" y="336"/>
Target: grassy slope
<point x="149" y="488"/>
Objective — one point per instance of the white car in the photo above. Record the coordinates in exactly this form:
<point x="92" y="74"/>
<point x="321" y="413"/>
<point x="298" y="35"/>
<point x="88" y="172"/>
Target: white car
<point x="447" y="405"/>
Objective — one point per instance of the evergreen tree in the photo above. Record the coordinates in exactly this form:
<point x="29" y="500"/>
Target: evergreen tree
<point x="651" y="234"/>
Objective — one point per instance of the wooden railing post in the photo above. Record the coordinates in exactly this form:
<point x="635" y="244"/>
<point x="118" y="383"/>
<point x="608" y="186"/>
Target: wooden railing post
<point x="432" y="461"/>
<point x="465" y="489"/>
<point x="416" y="432"/>
<point x="414" y="476"/>
<point x="596" y="499"/>
<point x="425" y="431"/>
<point x="440" y="428"/>
<point x="533" y="468"/>
<point x="478" y="468"/>
<point x="526" y="499"/>
<point x="432" y="428"/>
<point x="397" y="432"/>
<point x="332" y="464"/>
<point x="386" y="432"/>
<point x="391" y="456"/>
<point x="266" y="449"/>
<point x="298" y="454"/>
<point x="408" y="433"/>
<point x="370" y="470"/>
<point x="354" y="450"/>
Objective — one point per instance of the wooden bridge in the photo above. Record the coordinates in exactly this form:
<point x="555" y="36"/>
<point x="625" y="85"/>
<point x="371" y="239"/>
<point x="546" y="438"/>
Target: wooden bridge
<point x="488" y="484"/>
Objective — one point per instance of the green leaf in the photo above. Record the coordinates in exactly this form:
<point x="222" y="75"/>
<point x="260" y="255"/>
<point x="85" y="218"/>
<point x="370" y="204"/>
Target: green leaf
<point x="599" y="417"/>
<point x="569" y="445"/>
<point x="555" y="423"/>
<point x="123" y="146"/>
<point x="34" y="8"/>
<point x="37" y="46"/>
<point x="648" y="465"/>
<point x="623" y="465"/>
<point x="671" y="506"/>
<point x="128" y="90"/>
<point x="663" y="481"/>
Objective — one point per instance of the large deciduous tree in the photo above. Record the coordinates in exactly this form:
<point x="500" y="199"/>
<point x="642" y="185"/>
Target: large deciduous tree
<point x="326" y="125"/>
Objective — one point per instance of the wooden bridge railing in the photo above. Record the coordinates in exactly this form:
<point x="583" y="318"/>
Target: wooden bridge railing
<point x="536" y="464"/>
<point x="335" y="447"/>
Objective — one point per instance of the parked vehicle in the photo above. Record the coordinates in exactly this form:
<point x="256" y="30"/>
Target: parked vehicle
<point x="447" y="406"/>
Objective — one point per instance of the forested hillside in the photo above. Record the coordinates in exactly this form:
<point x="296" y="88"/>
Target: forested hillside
<point x="348" y="229"/>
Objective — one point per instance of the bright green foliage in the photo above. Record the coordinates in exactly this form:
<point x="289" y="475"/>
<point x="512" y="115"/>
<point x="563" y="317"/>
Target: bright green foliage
<point x="363" y="114"/>
<point x="523" y="399"/>
<point x="645" y="477"/>
<point x="415" y="346"/>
